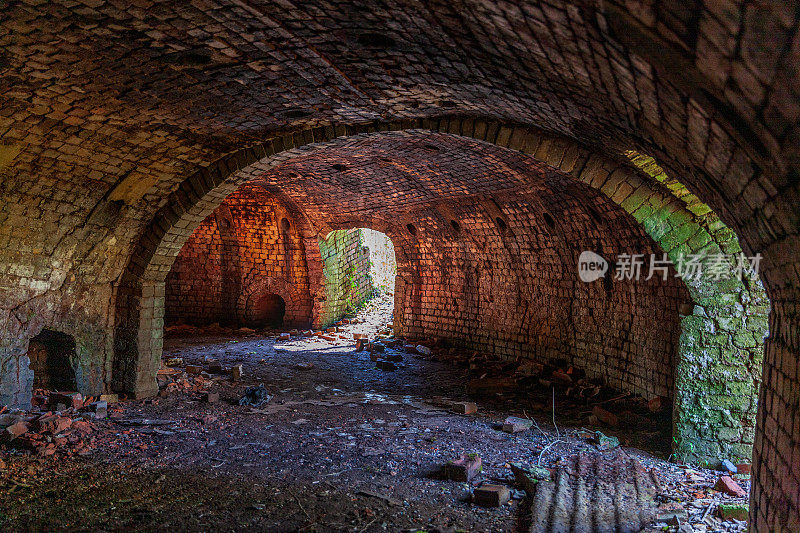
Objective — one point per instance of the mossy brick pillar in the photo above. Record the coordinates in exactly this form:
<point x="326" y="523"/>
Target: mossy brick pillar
<point x="139" y="339"/>
<point x="721" y="349"/>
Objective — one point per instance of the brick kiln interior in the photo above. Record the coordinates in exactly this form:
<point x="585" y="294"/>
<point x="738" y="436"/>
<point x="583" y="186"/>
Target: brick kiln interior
<point x="205" y="167"/>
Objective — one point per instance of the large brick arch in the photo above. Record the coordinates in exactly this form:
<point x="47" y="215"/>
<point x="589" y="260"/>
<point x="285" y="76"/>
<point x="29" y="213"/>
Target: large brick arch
<point x="716" y="377"/>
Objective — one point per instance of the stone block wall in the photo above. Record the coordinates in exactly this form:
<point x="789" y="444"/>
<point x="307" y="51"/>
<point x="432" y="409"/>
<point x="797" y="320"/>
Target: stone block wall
<point x="346" y="272"/>
<point x="247" y="250"/>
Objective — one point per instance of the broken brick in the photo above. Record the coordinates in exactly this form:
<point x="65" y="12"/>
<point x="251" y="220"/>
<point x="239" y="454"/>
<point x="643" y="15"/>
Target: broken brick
<point x="209" y="397"/>
<point x="606" y="417"/>
<point x="464" y="468"/>
<point x="464" y="408"/>
<point x="491" y="495"/>
<point x="385" y="365"/>
<point x="514" y="424"/>
<point x="727" y="485"/>
<point x="16" y="430"/>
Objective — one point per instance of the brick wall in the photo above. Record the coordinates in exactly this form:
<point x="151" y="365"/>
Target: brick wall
<point x="245" y="251"/>
<point x="506" y="284"/>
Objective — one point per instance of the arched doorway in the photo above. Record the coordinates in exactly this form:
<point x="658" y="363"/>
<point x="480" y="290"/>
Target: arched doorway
<point x="266" y="311"/>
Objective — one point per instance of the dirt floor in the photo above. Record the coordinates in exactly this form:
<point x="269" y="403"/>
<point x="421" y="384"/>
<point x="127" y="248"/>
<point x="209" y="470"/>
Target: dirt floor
<point x="341" y="446"/>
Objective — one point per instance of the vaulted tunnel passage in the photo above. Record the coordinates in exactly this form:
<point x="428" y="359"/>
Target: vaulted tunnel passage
<point x="493" y="142"/>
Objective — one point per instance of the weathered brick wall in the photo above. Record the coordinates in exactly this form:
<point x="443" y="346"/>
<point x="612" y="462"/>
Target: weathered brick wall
<point x="510" y="288"/>
<point x="247" y="249"/>
<point x="357" y="264"/>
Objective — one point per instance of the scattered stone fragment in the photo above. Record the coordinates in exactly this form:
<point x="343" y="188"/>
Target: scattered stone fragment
<point x="464" y="468"/>
<point x="491" y="495"/>
<point x="604" y="442"/>
<point x="304" y="366"/>
<point x="727" y="485"/>
<point x="728" y="466"/>
<point x="99" y="408"/>
<point x="285" y="337"/>
<point x="514" y="424"/>
<point x="255" y="396"/>
<point x="209" y="397"/>
<point x="360" y="343"/>
<point x="109" y="398"/>
<point x="174" y="361"/>
<point x="529" y="476"/>
<point x="743" y="468"/>
<point x="193" y="369"/>
<point x="15" y="430"/>
<point x="215" y="367"/>
<point x="51" y="423"/>
<point x="72" y="400"/>
<point x="385" y="365"/>
<point x="733" y="511"/>
<point x="396" y="357"/>
<point x="464" y="408"/>
<point x="423" y="350"/>
<point x="606" y="417"/>
<point x="237" y="371"/>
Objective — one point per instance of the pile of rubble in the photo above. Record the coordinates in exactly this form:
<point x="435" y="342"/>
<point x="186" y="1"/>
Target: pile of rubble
<point x="175" y="376"/>
<point x="505" y="379"/>
<point x="63" y="422"/>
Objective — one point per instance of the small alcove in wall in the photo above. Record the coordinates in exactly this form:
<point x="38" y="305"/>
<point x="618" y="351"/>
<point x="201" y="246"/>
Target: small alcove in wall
<point x="52" y="355"/>
<point x="267" y="311"/>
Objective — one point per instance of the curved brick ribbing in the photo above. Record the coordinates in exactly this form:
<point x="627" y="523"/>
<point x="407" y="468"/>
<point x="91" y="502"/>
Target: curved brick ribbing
<point x="106" y="106"/>
<point x="708" y="424"/>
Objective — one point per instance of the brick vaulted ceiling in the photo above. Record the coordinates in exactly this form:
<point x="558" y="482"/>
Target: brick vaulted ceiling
<point x="106" y="106"/>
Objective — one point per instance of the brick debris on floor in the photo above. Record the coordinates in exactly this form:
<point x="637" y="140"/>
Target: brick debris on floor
<point x="400" y="449"/>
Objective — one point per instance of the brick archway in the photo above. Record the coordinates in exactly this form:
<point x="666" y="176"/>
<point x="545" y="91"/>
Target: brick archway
<point x="665" y="215"/>
<point x="283" y="288"/>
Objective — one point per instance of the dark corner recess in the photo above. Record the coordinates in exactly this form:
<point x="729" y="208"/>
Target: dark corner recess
<point x="52" y="355"/>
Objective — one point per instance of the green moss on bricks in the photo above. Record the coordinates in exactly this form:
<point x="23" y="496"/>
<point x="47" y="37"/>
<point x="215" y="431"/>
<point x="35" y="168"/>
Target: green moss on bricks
<point x="720" y="350"/>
